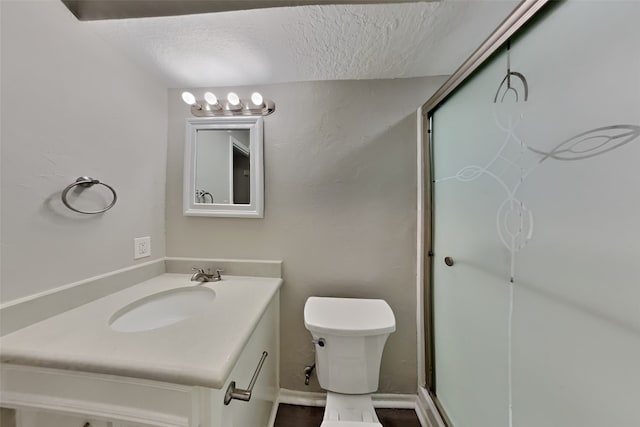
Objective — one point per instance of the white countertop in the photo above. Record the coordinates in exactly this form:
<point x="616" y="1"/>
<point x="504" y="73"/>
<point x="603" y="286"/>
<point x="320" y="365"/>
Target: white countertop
<point x="198" y="351"/>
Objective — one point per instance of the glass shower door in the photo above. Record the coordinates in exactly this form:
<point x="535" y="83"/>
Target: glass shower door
<point x="536" y="203"/>
<point x="471" y="297"/>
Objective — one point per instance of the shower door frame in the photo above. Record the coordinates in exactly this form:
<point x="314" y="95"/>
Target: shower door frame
<point x="521" y="15"/>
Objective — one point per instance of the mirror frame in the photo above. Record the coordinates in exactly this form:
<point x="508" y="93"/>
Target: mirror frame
<point x="256" y="164"/>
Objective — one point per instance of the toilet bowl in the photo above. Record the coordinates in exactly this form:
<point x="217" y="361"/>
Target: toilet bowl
<point x="349" y="336"/>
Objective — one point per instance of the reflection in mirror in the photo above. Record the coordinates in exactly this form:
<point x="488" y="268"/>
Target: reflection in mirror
<point x="223" y="166"/>
<point x="223" y="173"/>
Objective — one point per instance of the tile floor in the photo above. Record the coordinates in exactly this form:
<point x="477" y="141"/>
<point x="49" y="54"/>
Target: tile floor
<point x="306" y="416"/>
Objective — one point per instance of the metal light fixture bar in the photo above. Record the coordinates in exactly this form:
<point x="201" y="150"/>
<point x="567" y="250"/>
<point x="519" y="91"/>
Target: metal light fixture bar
<point x="233" y="105"/>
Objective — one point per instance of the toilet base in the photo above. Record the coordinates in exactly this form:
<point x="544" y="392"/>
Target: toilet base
<point x="349" y="410"/>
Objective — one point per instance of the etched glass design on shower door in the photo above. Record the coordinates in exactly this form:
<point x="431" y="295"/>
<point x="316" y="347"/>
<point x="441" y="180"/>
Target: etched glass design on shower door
<point x="536" y="200"/>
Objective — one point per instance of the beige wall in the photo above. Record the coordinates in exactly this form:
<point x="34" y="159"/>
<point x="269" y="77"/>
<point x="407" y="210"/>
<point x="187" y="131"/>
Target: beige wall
<point x="340" y="207"/>
<point x="73" y="106"/>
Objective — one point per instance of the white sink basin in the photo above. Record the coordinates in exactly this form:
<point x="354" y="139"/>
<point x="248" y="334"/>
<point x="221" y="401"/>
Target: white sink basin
<point x="162" y="309"/>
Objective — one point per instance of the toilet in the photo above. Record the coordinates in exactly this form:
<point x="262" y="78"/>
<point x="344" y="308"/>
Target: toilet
<point x="349" y="335"/>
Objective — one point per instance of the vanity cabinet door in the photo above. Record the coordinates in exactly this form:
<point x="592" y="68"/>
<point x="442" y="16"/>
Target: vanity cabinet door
<point x="30" y="418"/>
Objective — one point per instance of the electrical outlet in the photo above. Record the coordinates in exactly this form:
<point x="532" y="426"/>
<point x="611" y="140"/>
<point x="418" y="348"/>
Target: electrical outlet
<point x="141" y="247"/>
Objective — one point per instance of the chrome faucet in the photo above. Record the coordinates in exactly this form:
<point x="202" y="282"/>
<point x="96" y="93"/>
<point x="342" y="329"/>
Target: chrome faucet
<point x="200" y="276"/>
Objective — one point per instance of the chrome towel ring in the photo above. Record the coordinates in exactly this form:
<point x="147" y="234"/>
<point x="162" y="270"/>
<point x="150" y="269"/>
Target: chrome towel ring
<point x="86" y="182"/>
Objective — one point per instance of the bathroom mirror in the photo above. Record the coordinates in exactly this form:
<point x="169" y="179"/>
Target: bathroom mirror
<point x="223" y="167"/>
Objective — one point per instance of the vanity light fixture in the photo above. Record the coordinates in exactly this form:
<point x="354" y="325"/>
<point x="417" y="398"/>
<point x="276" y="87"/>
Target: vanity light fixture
<point x="211" y="99"/>
<point x="256" y="98"/>
<point x="188" y="98"/>
<point x="233" y="105"/>
<point x="233" y="98"/>
<point x="233" y="102"/>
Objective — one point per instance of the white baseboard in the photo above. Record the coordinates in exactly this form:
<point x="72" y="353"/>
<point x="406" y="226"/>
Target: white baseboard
<point x="380" y="400"/>
<point x="301" y="398"/>
<point x="274" y="412"/>
<point x="426" y="410"/>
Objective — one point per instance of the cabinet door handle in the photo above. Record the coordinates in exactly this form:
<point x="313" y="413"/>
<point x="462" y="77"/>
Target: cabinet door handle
<point x="244" y="394"/>
<point x="449" y="261"/>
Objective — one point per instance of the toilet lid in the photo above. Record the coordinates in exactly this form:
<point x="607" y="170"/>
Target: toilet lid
<point x="348" y="424"/>
<point x="348" y="316"/>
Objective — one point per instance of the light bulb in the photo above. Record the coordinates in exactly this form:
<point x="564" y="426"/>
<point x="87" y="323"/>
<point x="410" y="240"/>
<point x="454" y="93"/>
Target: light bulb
<point x="233" y="98"/>
<point x="188" y="98"/>
<point x="210" y="98"/>
<point x="256" y="98"/>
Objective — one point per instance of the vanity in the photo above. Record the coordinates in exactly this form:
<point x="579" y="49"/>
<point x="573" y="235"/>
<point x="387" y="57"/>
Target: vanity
<point x="165" y="352"/>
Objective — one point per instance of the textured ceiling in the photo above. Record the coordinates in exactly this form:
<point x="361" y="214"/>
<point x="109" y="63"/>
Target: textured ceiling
<point x="334" y="42"/>
<point x="89" y="10"/>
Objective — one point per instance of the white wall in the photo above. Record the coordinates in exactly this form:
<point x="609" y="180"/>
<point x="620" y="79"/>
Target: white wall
<point x="340" y="207"/>
<point x="73" y="106"/>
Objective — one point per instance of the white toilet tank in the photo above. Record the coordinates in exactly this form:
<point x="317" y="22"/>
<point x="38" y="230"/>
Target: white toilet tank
<point x="350" y="334"/>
